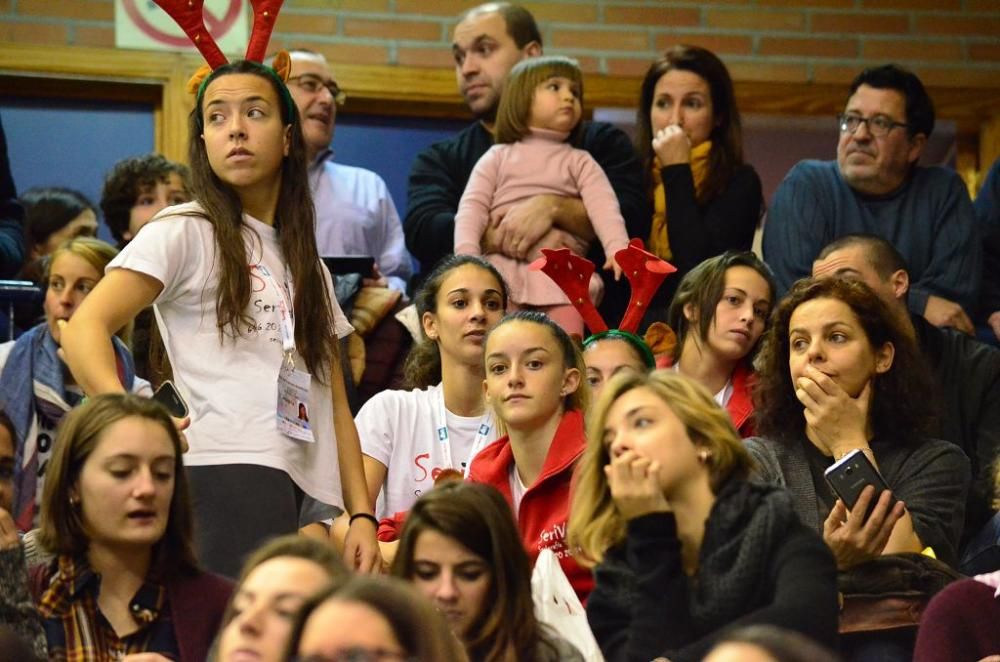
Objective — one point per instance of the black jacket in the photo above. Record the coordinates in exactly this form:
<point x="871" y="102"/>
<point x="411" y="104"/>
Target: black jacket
<point x="967" y="374"/>
<point x="641" y="606"/>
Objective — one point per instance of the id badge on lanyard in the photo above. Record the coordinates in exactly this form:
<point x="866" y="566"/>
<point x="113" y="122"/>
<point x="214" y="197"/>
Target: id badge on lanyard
<point x="443" y="437"/>
<point x="292" y="409"/>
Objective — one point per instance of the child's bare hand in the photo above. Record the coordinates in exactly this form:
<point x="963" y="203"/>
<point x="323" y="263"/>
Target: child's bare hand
<point x="611" y="265"/>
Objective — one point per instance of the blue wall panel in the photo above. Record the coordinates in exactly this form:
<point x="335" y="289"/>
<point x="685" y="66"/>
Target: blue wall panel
<point x="72" y="143"/>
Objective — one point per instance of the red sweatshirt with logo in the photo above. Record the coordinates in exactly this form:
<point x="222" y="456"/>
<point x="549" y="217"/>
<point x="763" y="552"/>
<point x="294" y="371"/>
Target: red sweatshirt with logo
<point x="544" y="509"/>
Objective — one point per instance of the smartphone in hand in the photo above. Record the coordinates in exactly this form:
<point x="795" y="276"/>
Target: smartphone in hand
<point x="168" y="396"/>
<point x="849" y="475"/>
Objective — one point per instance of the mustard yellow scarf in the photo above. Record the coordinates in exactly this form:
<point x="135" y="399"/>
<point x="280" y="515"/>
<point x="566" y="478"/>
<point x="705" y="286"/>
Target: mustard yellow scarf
<point x="659" y="237"/>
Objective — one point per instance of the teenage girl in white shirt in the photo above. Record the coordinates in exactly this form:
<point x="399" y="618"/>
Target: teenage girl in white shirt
<point x="250" y="322"/>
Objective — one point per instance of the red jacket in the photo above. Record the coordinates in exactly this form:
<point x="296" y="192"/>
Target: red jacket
<point x="544" y="508"/>
<point x="740" y="406"/>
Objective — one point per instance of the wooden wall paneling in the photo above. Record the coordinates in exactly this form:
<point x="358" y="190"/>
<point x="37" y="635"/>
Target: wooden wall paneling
<point x="413" y="91"/>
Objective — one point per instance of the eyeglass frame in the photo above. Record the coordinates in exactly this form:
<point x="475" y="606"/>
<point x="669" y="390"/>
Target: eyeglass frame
<point x="339" y="96"/>
<point x="843" y="118"/>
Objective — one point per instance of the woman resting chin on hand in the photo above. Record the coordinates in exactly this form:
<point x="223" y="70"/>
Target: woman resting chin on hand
<point x="683" y="545"/>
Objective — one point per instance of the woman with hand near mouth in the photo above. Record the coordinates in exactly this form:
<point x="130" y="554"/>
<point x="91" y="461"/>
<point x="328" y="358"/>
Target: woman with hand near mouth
<point x="36" y="387"/>
<point x="685" y="546"/>
<point x="460" y="548"/>
<point x="719" y="313"/>
<point x="837" y="374"/>
<point x="117" y="514"/>
<point x="250" y="323"/>
<point x="534" y="382"/>
<point x="409" y="437"/>
<point x="705" y="198"/>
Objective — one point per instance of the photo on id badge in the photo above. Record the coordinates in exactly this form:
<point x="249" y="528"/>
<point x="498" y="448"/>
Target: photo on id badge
<point x="293" y="407"/>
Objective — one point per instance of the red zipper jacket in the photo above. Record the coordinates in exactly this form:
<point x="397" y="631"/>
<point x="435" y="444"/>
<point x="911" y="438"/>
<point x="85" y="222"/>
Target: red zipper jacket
<point x="544" y="510"/>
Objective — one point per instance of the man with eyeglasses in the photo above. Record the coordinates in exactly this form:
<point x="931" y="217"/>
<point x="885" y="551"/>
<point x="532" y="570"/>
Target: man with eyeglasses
<point x="876" y="187"/>
<point x="355" y="214"/>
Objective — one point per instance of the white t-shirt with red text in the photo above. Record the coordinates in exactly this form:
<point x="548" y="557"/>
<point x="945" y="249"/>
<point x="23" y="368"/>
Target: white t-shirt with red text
<point x="399" y="430"/>
<point x="231" y="384"/>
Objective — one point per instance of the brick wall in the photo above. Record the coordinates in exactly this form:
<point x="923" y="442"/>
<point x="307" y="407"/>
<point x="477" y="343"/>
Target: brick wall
<point x="949" y="42"/>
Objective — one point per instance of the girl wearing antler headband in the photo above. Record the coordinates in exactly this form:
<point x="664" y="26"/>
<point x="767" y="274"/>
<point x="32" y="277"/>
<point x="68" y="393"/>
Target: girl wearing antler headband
<point x="249" y="320"/>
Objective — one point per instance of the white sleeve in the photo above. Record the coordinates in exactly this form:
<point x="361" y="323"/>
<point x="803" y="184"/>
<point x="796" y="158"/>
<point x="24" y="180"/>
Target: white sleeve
<point x="141" y="387"/>
<point x="172" y="250"/>
<point x="375" y="426"/>
<point x="341" y="326"/>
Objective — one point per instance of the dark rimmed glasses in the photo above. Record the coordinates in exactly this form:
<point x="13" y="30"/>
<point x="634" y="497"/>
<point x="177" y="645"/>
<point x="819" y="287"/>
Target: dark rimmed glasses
<point x="879" y="125"/>
<point x="312" y="83"/>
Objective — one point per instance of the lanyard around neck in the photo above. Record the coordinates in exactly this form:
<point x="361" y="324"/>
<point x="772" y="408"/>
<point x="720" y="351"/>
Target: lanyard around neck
<point x="286" y="317"/>
<point x="443" y="436"/>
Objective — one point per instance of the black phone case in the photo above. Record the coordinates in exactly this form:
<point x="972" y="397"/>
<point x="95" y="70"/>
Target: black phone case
<point x="168" y="396"/>
<point x="850" y="475"/>
<point x="340" y="265"/>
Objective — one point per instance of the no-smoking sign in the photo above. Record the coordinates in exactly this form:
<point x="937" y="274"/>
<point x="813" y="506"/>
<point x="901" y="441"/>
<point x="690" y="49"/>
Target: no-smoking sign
<point x="142" y="24"/>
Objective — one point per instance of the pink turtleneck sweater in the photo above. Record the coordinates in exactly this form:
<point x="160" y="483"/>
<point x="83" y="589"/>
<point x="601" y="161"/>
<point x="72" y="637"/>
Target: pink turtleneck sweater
<point x="541" y="163"/>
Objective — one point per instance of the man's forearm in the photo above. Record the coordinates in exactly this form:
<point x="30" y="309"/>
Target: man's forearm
<point x="571" y="215"/>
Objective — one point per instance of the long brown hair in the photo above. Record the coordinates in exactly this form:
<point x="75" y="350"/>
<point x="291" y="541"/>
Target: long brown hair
<point x="702" y="287"/>
<point x="62" y="528"/>
<point x="423" y="363"/>
<point x="727" y="129"/>
<point x="902" y="406"/>
<point x="595" y="525"/>
<point x="295" y="223"/>
<point x="478" y="517"/>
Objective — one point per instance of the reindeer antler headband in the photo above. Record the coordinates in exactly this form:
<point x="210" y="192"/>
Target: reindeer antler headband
<point x="189" y="15"/>
<point x="645" y="273"/>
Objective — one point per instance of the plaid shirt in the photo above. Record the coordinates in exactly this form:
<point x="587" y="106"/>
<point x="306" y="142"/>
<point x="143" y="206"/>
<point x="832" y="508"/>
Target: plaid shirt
<point x="77" y="631"/>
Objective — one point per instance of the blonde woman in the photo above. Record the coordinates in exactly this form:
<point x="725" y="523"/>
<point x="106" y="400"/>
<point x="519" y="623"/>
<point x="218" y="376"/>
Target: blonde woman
<point x="684" y="545"/>
<point x="36" y="387"/>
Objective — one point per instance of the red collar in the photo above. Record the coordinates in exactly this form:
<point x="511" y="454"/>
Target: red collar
<point x="740" y="406"/>
<point x="492" y="464"/>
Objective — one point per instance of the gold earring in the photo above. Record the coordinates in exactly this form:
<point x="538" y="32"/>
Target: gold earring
<point x="703" y="456"/>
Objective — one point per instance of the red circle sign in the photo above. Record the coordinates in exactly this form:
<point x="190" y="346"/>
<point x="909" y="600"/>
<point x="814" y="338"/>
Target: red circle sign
<point x="217" y="27"/>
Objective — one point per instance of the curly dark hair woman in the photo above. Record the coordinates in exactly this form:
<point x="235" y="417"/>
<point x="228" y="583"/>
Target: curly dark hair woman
<point x="838" y="377"/>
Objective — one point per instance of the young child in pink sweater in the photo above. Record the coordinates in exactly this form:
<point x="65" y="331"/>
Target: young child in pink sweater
<point x="538" y="121"/>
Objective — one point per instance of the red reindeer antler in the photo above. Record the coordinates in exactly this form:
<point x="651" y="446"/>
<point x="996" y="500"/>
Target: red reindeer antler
<point x="572" y="274"/>
<point x="189" y="16"/>
<point x="645" y="272"/>
<point x="265" y="13"/>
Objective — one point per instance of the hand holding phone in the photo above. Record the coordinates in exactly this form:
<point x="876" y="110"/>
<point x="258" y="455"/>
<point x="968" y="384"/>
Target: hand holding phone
<point x="851" y="474"/>
<point x="168" y="396"/>
<point x="863" y="533"/>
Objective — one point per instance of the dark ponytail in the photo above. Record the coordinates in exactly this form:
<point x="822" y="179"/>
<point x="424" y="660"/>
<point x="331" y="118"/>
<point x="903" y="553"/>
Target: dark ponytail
<point x="423" y="364"/>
